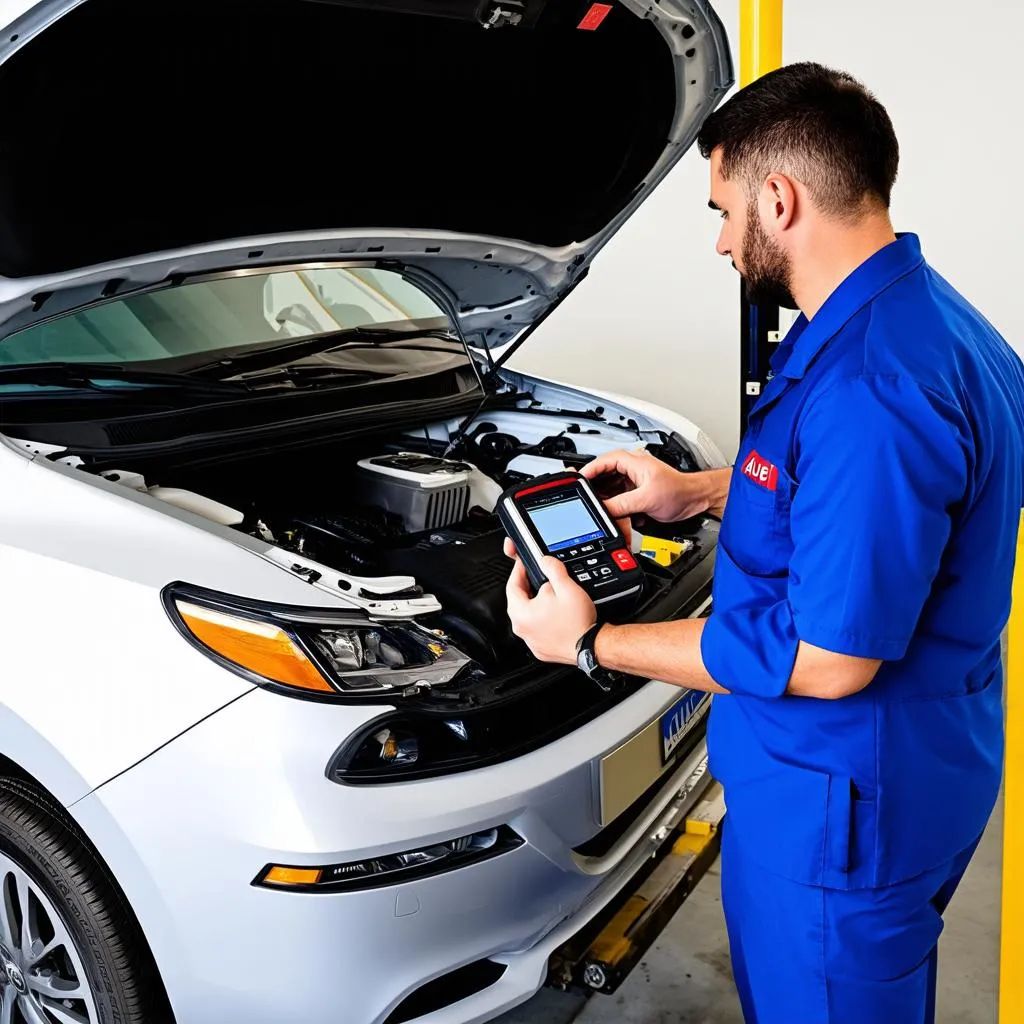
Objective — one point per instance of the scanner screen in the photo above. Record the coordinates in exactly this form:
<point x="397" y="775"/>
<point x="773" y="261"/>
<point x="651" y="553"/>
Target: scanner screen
<point x="566" y="524"/>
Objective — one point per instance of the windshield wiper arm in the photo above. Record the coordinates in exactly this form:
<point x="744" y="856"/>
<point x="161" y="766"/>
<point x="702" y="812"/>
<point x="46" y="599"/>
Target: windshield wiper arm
<point x="91" y="375"/>
<point x="266" y="356"/>
<point x="290" y="374"/>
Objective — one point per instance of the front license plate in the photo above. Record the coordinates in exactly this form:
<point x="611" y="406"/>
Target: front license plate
<point x="675" y="722"/>
<point x="627" y="772"/>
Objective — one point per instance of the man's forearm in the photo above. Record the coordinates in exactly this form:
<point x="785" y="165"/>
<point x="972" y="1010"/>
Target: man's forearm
<point x="669" y="651"/>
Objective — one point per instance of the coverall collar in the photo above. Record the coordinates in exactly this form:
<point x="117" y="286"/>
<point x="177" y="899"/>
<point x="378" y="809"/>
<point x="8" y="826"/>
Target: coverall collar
<point x="806" y="338"/>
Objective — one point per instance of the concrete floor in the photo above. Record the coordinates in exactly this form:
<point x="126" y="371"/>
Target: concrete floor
<point x="686" y="978"/>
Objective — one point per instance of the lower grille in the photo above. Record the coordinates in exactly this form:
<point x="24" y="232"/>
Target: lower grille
<point x="447" y="990"/>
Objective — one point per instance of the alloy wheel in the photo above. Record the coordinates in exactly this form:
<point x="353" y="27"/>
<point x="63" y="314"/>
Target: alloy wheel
<point x="42" y="977"/>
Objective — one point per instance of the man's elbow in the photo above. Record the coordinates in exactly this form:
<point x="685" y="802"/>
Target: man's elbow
<point x="842" y="685"/>
<point x="830" y="676"/>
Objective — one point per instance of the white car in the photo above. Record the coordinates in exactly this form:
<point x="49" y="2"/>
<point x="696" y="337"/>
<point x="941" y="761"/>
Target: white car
<point x="268" y="749"/>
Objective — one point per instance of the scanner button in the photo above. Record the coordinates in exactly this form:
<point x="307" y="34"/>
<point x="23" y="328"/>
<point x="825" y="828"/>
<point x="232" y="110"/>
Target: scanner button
<point x="591" y="561"/>
<point x="624" y="560"/>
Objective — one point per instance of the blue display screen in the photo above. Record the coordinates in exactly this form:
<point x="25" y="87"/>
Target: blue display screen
<point x="566" y="524"/>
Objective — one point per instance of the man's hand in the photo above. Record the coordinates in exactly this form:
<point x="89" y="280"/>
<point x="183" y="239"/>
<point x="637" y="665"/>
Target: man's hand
<point x="631" y="483"/>
<point x="552" y="622"/>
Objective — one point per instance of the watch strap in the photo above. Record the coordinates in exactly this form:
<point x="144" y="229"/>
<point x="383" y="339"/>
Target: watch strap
<point x="588" y="638"/>
<point x="586" y="659"/>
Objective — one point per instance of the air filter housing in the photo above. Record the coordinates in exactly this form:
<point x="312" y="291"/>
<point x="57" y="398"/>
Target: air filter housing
<point x="426" y="492"/>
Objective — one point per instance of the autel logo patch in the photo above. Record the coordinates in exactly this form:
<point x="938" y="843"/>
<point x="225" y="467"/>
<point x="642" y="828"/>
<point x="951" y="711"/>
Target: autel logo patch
<point x="761" y="471"/>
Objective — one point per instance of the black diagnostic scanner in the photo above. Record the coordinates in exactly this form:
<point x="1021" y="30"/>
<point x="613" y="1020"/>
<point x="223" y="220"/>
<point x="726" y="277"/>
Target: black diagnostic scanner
<point x="560" y="515"/>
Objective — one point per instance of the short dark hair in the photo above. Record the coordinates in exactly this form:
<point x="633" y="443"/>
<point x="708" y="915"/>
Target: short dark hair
<point x="815" y="124"/>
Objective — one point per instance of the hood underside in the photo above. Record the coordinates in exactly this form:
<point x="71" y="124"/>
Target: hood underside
<point x="139" y="136"/>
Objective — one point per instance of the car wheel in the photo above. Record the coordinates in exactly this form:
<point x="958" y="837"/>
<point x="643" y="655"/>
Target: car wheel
<point x="71" y="951"/>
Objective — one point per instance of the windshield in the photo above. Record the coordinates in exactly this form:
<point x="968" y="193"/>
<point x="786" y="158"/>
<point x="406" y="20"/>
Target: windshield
<point x="225" y="313"/>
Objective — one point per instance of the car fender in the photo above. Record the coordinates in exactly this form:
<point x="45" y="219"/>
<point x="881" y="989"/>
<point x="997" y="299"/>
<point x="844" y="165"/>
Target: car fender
<point x="95" y="675"/>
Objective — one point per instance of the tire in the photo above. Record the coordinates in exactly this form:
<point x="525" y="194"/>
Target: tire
<point x="98" y="955"/>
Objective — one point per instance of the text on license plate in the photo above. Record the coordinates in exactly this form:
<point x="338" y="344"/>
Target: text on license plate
<point x="675" y="722"/>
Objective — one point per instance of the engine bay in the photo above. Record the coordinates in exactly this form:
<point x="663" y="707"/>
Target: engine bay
<point x="418" y="505"/>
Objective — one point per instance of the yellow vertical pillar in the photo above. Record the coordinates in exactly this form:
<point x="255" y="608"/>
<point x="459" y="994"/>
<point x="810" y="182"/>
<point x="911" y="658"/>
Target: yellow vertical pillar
<point x="1011" y="966"/>
<point x="760" y="38"/>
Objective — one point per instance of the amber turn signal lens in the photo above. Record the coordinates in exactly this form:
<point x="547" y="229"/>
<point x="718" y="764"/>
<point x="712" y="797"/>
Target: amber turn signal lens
<point x="259" y="647"/>
<point x="293" y="876"/>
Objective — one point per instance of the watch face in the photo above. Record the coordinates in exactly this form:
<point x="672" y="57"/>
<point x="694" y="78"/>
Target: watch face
<point x="586" y="661"/>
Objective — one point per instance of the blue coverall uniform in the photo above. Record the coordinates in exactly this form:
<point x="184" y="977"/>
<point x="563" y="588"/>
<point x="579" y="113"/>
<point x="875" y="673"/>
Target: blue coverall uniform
<point x="873" y="511"/>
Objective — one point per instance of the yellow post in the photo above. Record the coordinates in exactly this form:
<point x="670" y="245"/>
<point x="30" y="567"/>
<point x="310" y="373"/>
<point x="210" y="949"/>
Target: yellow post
<point x="760" y="53"/>
<point x="760" y="38"/>
<point x="1011" y="943"/>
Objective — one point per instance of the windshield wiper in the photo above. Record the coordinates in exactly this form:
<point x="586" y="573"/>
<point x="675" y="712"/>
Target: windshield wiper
<point x="266" y="356"/>
<point x="300" y="376"/>
<point x="106" y="377"/>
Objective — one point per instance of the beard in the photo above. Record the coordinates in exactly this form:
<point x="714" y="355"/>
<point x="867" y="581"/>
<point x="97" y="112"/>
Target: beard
<point x="768" y="272"/>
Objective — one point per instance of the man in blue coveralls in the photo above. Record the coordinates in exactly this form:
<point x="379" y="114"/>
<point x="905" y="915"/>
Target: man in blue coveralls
<point x="863" y="573"/>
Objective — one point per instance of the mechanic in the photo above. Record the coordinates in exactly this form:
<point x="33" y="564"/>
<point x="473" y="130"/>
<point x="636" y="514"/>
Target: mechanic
<point x="863" y="573"/>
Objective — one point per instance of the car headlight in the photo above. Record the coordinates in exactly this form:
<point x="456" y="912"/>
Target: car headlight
<point x="312" y="651"/>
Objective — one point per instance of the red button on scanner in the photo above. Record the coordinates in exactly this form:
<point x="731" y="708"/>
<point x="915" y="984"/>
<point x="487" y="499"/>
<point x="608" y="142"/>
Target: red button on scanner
<point x="624" y="560"/>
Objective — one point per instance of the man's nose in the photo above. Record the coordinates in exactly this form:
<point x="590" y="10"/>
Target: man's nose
<point x="722" y="247"/>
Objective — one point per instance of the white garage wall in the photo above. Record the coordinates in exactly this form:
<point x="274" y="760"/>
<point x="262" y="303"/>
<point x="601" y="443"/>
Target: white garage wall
<point x="658" y="316"/>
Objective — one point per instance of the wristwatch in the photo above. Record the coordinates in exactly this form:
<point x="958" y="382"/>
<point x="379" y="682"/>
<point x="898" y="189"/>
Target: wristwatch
<point x="586" y="659"/>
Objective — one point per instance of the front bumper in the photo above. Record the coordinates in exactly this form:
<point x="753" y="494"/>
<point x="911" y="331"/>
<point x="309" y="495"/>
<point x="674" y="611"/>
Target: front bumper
<point x="187" y="830"/>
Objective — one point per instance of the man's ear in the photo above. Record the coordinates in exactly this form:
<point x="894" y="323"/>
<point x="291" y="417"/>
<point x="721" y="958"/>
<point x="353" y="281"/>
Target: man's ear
<point x="777" y="202"/>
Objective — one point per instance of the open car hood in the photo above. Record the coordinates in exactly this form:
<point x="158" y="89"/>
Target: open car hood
<point x="491" y="147"/>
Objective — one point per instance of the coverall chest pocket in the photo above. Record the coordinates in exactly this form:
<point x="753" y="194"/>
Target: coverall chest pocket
<point x="756" y="526"/>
